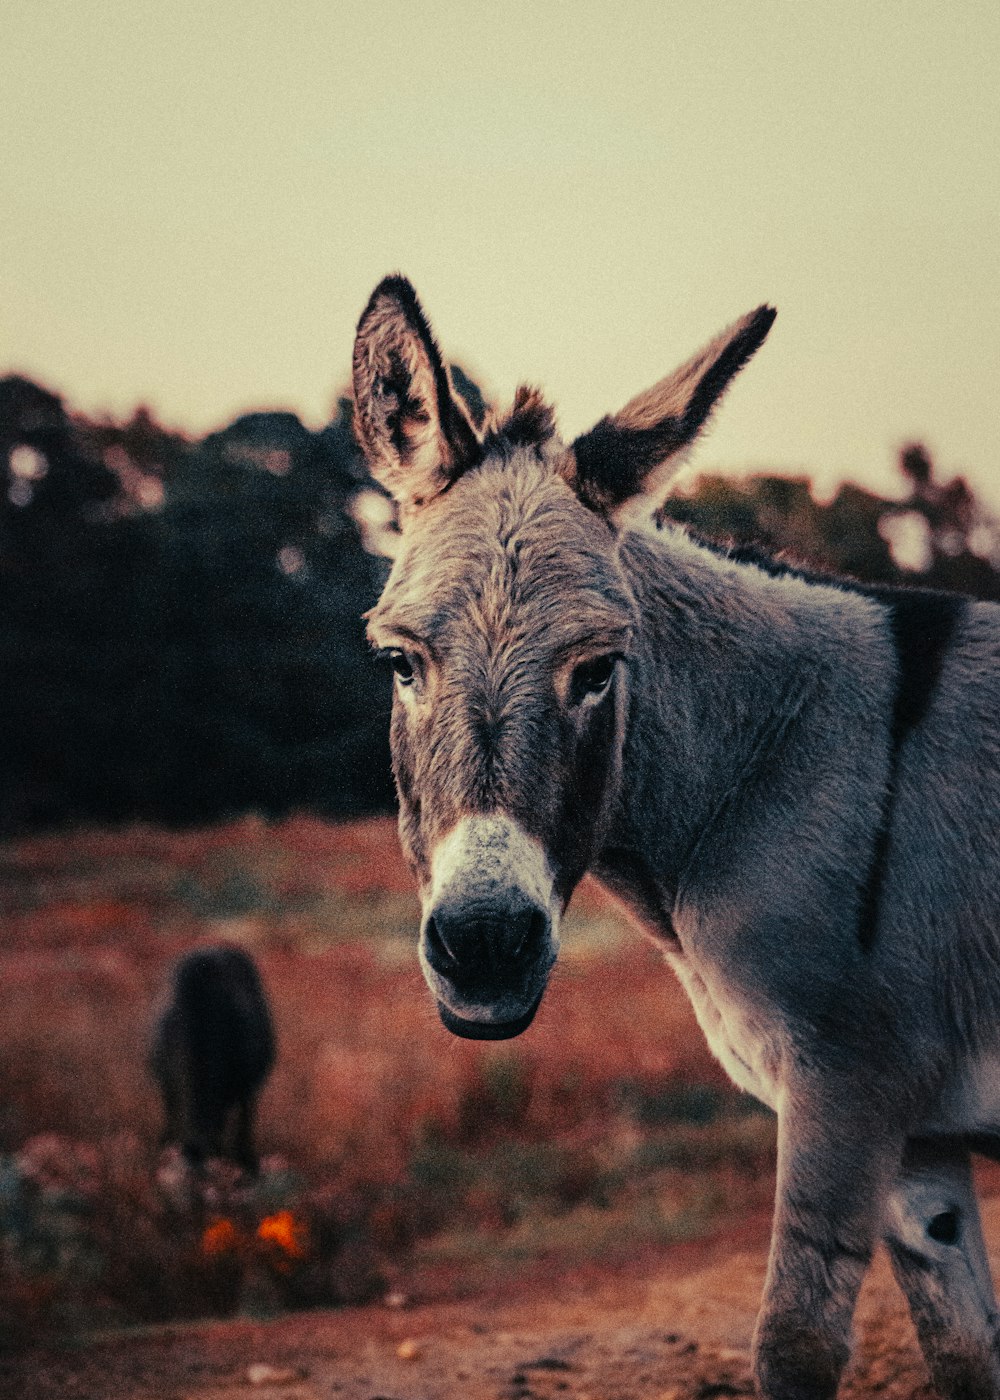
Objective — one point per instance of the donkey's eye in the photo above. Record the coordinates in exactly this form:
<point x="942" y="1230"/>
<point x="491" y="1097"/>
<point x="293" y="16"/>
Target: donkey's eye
<point x="592" y="677"/>
<point x="401" y="665"/>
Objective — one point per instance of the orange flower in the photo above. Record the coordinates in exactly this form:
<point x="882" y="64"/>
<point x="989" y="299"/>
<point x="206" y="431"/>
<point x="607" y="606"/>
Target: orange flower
<point x="221" y="1237"/>
<point x="286" y="1232"/>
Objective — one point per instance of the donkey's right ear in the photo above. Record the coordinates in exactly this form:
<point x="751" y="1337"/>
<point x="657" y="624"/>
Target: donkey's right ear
<point x="414" y="431"/>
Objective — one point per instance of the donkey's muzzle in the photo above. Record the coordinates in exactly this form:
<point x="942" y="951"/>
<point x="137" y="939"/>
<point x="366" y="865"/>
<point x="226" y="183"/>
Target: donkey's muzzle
<point x="490" y="966"/>
<point x="485" y="949"/>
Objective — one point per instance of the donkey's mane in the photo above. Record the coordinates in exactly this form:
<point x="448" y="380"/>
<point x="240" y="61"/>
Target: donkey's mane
<point x="784" y="566"/>
<point x="529" y="422"/>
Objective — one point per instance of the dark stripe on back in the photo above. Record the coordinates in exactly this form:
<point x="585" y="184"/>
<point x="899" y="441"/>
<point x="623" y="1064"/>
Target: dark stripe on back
<point x="923" y="623"/>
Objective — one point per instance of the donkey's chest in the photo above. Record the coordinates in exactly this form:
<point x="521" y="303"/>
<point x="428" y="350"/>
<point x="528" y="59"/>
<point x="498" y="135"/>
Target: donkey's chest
<point x="747" y="1048"/>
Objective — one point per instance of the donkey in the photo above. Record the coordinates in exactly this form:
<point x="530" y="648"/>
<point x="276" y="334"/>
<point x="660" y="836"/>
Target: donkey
<point x="793" y="783"/>
<point x="212" y="1049"/>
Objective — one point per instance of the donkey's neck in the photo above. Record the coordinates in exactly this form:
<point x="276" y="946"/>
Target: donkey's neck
<point x="732" y="669"/>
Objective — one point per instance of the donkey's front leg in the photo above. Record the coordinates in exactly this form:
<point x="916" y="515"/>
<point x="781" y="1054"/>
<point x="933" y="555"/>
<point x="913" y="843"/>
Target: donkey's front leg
<point x="936" y="1245"/>
<point x="836" y="1163"/>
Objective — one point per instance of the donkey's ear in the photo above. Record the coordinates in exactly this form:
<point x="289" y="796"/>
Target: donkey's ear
<point x="414" y="431"/>
<point x="636" y="452"/>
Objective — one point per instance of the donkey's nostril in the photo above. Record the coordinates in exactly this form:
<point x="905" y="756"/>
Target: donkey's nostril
<point x="439" y="954"/>
<point x="531" y="929"/>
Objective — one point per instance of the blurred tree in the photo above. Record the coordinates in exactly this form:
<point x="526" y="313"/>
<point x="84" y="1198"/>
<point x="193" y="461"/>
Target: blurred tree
<point x="59" y="562"/>
<point x="180" y="623"/>
<point x="937" y="535"/>
<point x="273" y="698"/>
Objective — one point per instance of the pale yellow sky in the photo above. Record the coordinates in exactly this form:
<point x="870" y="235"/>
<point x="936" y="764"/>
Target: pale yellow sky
<point x="196" y="200"/>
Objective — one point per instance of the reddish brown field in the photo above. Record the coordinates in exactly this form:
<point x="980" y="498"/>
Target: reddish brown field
<point x="403" y="1158"/>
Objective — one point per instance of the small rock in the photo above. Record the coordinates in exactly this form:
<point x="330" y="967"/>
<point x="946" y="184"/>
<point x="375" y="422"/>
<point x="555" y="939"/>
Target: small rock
<point x="263" y="1373"/>
<point x="409" y="1349"/>
<point x="395" y="1299"/>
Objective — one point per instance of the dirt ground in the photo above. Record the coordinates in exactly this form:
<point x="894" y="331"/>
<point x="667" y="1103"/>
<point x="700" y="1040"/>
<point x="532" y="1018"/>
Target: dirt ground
<point x="674" y="1327"/>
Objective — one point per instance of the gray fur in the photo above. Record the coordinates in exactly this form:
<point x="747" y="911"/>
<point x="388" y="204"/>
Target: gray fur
<point x="729" y="782"/>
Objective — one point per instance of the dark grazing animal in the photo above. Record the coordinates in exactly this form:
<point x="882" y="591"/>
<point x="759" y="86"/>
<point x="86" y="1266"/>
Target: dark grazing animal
<point x="793" y="783"/>
<point x="213" y="1048"/>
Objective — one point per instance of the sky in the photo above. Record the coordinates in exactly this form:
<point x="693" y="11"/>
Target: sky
<point x="197" y="199"/>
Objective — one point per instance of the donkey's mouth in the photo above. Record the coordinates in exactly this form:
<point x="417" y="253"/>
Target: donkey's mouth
<point x="488" y="1030"/>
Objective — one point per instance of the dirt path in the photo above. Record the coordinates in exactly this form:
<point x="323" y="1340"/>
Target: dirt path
<point x="679" y="1333"/>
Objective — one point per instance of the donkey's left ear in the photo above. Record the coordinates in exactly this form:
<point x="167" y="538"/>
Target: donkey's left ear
<point x="636" y="452"/>
<point x="414" y="431"/>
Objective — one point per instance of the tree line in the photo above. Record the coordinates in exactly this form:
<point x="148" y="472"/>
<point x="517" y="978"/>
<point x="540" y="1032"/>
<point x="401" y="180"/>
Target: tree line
<point x="181" y="633"/>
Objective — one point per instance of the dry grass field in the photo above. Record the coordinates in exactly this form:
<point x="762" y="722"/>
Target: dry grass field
<point x="396" y="1158"/>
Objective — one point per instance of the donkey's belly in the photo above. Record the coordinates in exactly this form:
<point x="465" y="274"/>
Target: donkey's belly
<point x="747" y="1050"/>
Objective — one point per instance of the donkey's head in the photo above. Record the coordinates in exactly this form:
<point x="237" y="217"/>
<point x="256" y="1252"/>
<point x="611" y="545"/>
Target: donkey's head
<point x="508" y="622"/>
